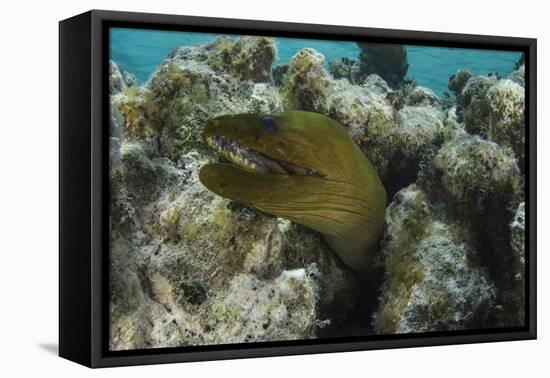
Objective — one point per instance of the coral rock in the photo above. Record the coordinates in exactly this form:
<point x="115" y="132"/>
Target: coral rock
<point x="193" y="269"/>
<point x="473" y="107"/>
<point x="119" y="80"/>
<point x="422" y="96"/>
<point x="398" y="149"/>
<point x="518" y="235"/>
<point x="246" y="58"/>
<point x="458" y="80"/>
<point x="432" y="281"/>
<point x="338" y="285"/>
<point x="495" y="109"/>
<point x="254" y="310"/>
<point x="479" y="184"/>
<point x="307" y="83"/>
<point x="197" y="83"/>
<point x="116" y="79"/>
<point x="506" y="101"/>
<point x="472" y="170"/>
<point x="518" y="76"/>
<point x="278" y="73"/>
<point x="116" y="133"/>
<point x="376" y="85"/>
<point x="517" y="264"/>
<point x="346" y="68"/>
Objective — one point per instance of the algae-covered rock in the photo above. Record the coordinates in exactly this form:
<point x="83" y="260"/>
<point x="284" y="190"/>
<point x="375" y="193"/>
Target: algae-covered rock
<point x="346" y="68"/>
<point x="306" y="84"/>
<point x="191" y="269"/>
<point x="249" y="58"/>
<point x="495" y="109"/>
<point x="245" y="58"/>
<point x="155" y="112"/>
<point x="247" y="310"/>
<point x="205" y="242"/>
<point x="377" y="85"/>
<point x="480" y="186"/>
<point x="506" y="100"/>
<point x="517" y="265"/>
<point x="518" y="235"/>
<point x="389" y="61"/>
<point x="432" y="279"/>
<point x="116" y="133"/>
<point x="129" y="196"/>
<point x="359" y="110"/>
<point x="398" y="148"/>
<point x="472" y="171"/>
<point x="265" y="99"/>
<point x="147" y="309"/>
<point x="422" y="96"/>
<point x="518" y="76"/>
<point x="473" y="107"/>
<point x="282" y="309"/>
<point x="116" y="79"/>
<point x="139" y="165"/>
<point x="119" y="80"/>
<point x="116" y="124"/>
<point x="195" y="272"/>
<point x="278" y="73"/>
<point x="136" y="320"/>
<point x="338" y="285"/>
<point x="197" y="83"/>
<point x="458" y="81"/>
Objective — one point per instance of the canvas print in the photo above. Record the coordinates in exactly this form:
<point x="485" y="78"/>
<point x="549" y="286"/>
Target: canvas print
<point x="275" y="189"/>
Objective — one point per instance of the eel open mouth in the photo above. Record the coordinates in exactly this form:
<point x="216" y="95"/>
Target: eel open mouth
<point x="254" y="161"/>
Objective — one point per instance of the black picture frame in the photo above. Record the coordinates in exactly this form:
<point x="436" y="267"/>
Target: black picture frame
<point x="84" y="189"/>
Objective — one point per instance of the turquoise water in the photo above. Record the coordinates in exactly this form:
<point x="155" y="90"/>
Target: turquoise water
<point x="141" y="51"/>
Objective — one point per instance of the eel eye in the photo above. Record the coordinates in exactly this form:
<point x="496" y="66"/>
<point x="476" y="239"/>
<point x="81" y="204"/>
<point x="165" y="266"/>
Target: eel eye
<point x="269" y="123"/>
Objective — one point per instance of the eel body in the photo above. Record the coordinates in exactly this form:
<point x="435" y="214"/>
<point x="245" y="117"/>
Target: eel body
<point x="304" y="167"/>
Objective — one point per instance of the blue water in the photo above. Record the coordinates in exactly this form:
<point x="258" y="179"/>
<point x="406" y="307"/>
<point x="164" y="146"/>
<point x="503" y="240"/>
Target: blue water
<point x="141" y="51"/>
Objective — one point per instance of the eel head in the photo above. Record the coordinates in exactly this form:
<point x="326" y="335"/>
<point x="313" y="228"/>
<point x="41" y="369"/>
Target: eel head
<point x="301" y="166"/>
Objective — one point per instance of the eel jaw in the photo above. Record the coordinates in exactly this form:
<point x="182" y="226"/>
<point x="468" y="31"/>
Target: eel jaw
<point x="251" y="160"/>
<point x="270" y="193"/>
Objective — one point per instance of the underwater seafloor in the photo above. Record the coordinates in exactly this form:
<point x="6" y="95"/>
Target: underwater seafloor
<point x="188" y="267"/>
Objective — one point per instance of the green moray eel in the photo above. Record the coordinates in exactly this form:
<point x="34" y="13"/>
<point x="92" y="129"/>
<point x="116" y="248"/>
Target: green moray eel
<point x="304" y="167"/>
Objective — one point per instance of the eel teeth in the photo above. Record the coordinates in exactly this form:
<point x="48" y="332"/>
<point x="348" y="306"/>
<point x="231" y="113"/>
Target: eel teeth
<point x="237" y="154"/>
<point x="254" y="161"/>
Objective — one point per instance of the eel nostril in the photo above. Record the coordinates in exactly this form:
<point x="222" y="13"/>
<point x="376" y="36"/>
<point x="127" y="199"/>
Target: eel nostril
<point x="269" y="123"/>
